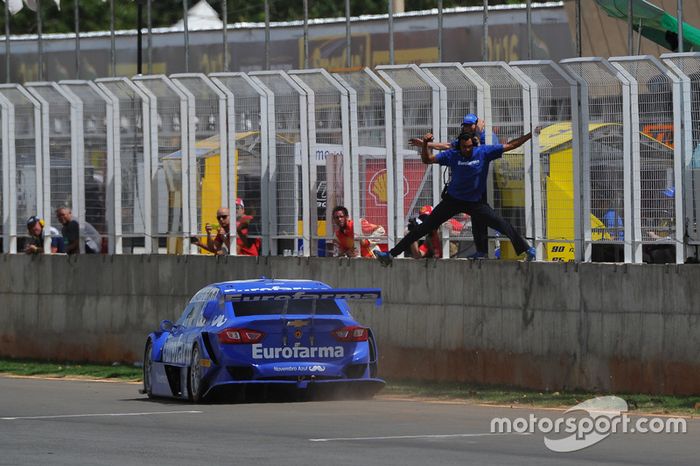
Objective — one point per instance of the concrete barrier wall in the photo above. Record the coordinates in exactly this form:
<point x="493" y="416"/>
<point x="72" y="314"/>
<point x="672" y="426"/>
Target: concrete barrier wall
<point x="617" y="328"/>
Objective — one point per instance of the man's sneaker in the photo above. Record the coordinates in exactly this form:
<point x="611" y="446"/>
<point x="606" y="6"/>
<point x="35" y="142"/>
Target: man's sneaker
<point x="530" y="254"/>
<point x="478" y="256"/>
<point x="384" y="258"/>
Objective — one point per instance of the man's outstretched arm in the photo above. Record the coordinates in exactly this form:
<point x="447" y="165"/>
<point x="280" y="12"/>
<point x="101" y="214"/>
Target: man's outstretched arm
<point x="517" y="142"/>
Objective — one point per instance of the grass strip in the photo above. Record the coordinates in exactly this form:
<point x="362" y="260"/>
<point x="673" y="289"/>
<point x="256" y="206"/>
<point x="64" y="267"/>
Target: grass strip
<point x="70" y="369"/>
<point x="655" y="404"/>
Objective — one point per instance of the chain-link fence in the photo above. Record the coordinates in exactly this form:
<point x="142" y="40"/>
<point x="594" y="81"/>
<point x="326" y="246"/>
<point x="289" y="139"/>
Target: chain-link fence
<point x="173" y="163"/>
<point x="656" y="161"/>
<point x="62" y="150"/>
<point x="416" y="109"/>
<point x="607" y="159"/>
<point x="98" y="151"/>
<point x="329" y="132"/>
<point x="290" y="190"/>
<point x="507" y="116"/>
<point x="248" y="130"/>
<point x="148" y="161"/>
<point x="556" y="154"/>
<point x="687" y="67"/>
<point x="372" y="167"/>
<point x="21" y="164"/>
<point x="208" y="144"/>
<point x="131" y="173"/>
<point x="459" y="95"/>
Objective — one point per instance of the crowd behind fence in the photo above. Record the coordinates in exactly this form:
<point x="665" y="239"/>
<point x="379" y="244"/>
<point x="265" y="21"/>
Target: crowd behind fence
<point x="613" y="176"/>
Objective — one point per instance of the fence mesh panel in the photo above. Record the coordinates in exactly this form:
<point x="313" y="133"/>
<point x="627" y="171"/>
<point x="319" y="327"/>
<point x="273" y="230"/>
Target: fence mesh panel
<point x="131" y="156"/>
<point x="168" y="193"/>
<point x="556" y="158"/>
<point x="507" y="123"/>
<point x="60" y="163"/>
<point x="656" y="134"/>
<point x="248" y="164"/>
<point x="605" y="135"/>
<point x="287" y="178"/>
<point x="208" y="134"/>
<point x="689" y="66"/>
<point x="371" y="175"/>
<point x="26" y="171"/>
<point x="416" y="118"/>
<point x="95" y="159"/>
<point x="329" y="156"/>
<point x="461" y="99"/>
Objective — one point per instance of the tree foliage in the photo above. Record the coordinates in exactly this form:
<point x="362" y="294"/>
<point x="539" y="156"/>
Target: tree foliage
<point x="95" y="14"/>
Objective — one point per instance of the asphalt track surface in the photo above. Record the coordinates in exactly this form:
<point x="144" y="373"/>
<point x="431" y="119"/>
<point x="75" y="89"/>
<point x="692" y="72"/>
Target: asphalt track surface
<point x="62" y="422"/>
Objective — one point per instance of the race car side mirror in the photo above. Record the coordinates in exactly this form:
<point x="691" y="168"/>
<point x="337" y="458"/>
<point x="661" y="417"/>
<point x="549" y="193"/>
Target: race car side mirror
<point x="166" y="326"/>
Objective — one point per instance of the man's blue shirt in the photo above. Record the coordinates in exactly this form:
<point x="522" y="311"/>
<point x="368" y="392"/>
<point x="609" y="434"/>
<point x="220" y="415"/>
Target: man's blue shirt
<point x="468" y="181"/>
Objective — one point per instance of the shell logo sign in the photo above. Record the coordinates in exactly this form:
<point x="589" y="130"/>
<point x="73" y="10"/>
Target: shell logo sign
<point x="378" y="187"/>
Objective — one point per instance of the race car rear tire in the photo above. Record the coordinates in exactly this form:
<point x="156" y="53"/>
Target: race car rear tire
<point x="147" y="370"/>
<point x="195" y="390"/>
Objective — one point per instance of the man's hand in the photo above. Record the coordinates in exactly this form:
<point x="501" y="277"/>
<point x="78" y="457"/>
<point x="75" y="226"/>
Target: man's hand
<point x="480" y="125"/>
<point x="415" y="142"/>
<point x="537" y="130"/>
<point x="427" y="138"/>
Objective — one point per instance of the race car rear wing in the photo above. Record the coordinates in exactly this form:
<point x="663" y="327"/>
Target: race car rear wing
<point x="286" y="295"/>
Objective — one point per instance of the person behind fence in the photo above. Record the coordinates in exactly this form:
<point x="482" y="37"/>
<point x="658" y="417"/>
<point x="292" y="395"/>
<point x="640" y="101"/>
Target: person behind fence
<point x="36" y="230"/>
<point x="73" y="231"/>
<point x="344" y="240"/>
<point x="477" y="125"/>
<point x="431" y="246"/>
<point x="464" y="193"/>
<point x="245" y="245"/>
<point x="221" y="243"/>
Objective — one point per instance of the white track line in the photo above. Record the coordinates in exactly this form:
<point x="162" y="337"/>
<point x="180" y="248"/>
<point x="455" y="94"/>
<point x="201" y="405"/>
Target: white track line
<point x="403" y="437"/>
<point x="60" y="416"/>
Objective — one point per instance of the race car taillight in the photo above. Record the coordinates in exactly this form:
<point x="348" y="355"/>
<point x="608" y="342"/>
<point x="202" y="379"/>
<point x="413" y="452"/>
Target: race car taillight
<point x="240" y="335"/>
<point x="351" y="333"/>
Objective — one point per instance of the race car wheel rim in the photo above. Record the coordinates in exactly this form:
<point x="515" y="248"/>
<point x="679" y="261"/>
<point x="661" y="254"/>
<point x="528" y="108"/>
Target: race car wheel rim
<point x="147" y="387"/>
<point x="195" y="374"/>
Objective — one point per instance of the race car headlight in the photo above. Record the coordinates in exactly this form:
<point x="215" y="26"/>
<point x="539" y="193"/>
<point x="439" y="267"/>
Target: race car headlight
<point x="239" y="335"/>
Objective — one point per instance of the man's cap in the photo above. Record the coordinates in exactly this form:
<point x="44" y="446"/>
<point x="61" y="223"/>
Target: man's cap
<point x="426" y="209"/>
<point x="33" y="220"/>
<point x="670" y="192"/>
<point x="239" y="202"/>
<point x="470" y="119"/>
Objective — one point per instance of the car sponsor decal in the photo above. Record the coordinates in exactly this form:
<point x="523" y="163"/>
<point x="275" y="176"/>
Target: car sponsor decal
<point x="297" y="352"/>
<point x="175" y="351"/>
<point x="303" y="295"/>
<point x="219" y="321"/>
<point x="316" y="368"/>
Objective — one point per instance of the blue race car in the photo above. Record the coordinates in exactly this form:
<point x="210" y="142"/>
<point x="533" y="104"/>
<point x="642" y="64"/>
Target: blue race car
<point x="241" y="338"/>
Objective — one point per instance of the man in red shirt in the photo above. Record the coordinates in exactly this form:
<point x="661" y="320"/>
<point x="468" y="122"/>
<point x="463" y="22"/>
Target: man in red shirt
<point x="345" y="235"/>
<point x="245" y="246"/>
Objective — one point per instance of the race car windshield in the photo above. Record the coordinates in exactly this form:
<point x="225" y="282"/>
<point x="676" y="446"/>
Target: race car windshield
<point x="295" y="306"/>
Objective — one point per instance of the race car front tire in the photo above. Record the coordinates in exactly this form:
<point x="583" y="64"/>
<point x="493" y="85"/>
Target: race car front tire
<point x="147" y="370"/>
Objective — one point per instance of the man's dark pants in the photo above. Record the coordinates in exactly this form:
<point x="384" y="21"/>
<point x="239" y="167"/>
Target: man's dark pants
<point x="449" y="207"/>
